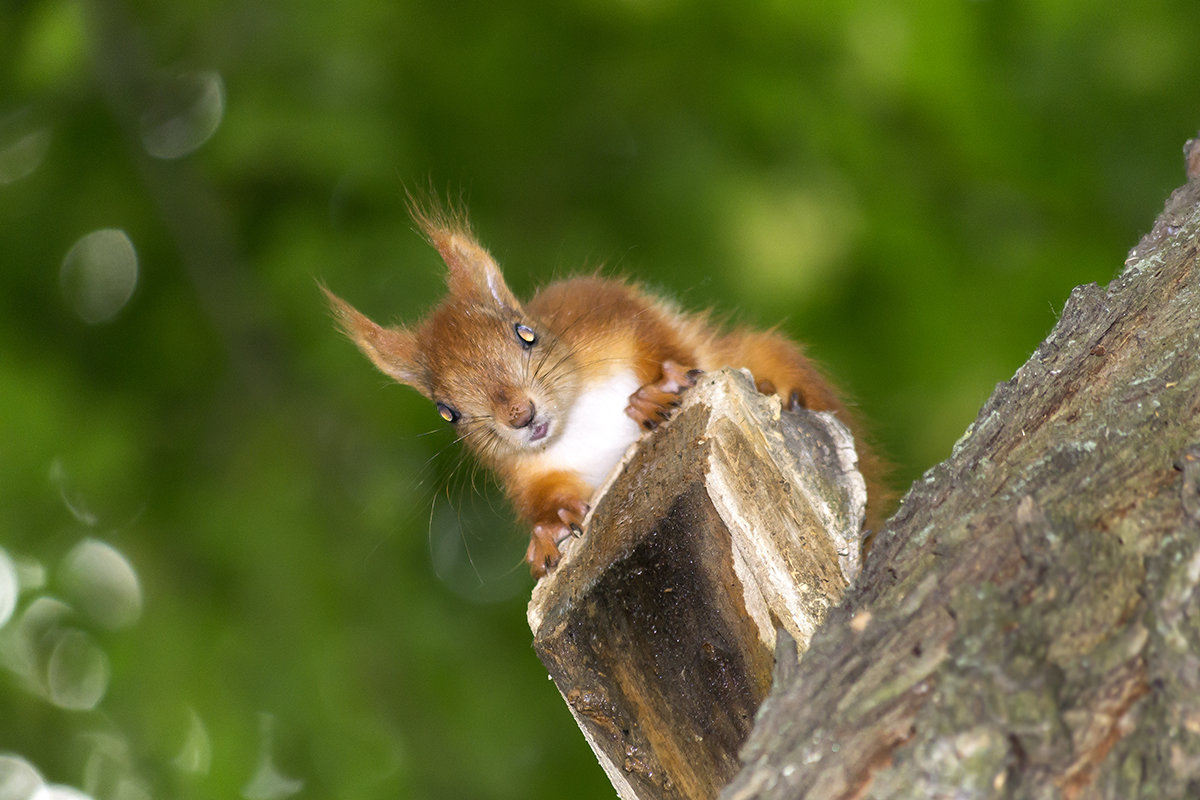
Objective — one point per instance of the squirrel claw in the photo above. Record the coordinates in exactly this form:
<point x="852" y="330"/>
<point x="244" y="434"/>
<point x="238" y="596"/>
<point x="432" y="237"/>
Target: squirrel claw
<point x="676" y="377"/>
<point x="653" y="404"/>
<point x="567" y="522"/>
<point x="572" y="516"/>
<point x="542" y="554"/>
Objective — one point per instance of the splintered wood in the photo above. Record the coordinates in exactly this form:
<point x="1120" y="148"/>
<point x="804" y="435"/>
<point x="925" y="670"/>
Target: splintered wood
<point x="659" y="624"/>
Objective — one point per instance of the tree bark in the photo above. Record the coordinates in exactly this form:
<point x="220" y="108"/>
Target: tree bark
<point x="1028" y="623"/>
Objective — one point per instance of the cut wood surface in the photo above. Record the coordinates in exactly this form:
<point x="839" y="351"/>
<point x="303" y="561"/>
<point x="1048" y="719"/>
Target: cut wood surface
<point x="659" y="625"/>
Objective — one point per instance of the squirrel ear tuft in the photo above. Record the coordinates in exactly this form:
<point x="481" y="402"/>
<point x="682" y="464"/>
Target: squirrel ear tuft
<point x="473" y="273"/>
<point x="392" y="350"/>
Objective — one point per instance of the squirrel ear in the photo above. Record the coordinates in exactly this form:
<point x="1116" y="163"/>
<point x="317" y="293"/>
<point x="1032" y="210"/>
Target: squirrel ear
<point x="473" y="272"/>
<point x="392" y="350"/>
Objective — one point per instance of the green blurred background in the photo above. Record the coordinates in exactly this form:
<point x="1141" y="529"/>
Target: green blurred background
<point x="234" y="561"/>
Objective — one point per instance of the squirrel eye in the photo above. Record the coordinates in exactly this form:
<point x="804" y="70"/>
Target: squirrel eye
<point x="448" y="413"/>
<point x="525" y="334"/>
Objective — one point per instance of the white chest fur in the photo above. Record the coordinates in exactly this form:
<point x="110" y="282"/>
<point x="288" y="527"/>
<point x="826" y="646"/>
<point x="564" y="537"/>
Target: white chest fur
<point x="597" y="431"/>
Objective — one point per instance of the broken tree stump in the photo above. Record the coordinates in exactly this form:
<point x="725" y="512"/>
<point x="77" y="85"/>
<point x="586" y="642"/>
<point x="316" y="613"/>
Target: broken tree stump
<point x="659" y="626"/>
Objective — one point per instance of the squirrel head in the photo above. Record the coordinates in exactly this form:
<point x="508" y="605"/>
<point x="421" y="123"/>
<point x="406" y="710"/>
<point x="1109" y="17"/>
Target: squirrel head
<point x="502" y="378"/>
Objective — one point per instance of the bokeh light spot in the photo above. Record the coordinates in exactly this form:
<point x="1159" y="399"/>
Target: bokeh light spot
<point x="792" y="236"/>
<point x="10" y="587"/>
<point x="187" y="112"/>
<point x="77" y="672"/>
<point x="72" y="500"/>
<point x="128" y="789"/>
<point x="481" y="569"/>
<point x="109" y="766"/>
<point x="56" y="792"/>
<point x="36" y="628"/>
<point x="103" y="583"/>
<point x="18" y="779"/>
<point x="99" y="275"/>
<point x="196" y="754"/>
<point x="31" y="574"/>
<point x="23" y="145"/>
<point x="268" y="782"/>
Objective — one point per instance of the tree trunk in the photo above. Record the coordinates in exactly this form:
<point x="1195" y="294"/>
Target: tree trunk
<point x="1028" y="623"/>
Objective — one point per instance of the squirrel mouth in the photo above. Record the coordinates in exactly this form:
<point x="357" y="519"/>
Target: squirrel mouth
<point x="538" y="431"/>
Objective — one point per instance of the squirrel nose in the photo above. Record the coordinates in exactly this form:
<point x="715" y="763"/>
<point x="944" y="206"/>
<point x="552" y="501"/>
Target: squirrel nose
<point x="520" y="414"/>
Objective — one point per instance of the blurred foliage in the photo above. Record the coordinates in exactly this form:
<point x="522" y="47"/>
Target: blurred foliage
<point x="232" y="563"/>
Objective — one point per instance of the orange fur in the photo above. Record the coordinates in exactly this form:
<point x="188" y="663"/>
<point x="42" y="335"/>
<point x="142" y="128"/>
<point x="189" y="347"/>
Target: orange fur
<point x="510" y="376"/>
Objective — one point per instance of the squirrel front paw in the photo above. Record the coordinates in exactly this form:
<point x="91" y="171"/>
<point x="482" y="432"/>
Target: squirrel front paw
<point x="542" y="554"/>
<point x="653" y="404"/>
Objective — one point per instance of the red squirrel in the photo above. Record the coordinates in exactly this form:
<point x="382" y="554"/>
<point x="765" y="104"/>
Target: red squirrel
<point x="550" y="393"/>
